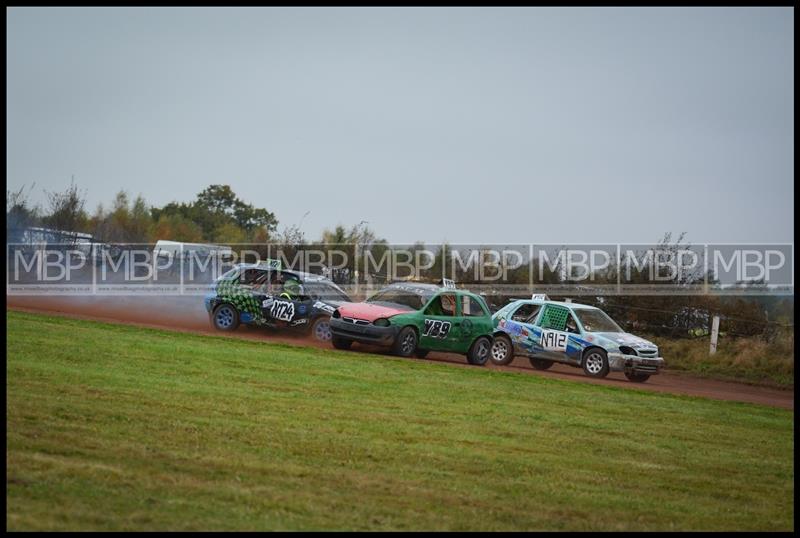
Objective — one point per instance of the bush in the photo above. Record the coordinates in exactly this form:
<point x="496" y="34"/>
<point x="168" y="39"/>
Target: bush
<point x="749" y="359"/>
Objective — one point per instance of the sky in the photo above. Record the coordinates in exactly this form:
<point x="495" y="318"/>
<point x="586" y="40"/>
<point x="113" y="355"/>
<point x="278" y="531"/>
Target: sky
<point x="468" y="125"/>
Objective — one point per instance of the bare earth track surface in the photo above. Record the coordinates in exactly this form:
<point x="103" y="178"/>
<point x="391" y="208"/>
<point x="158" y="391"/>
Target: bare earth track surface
<point x="186" y="314"/>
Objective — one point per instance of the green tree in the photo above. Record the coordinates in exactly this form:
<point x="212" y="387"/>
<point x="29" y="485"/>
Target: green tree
<point x="19" y="214"/>
<point x="176" y="228"/>
<point x="126" y="222"/>
<point x="229" y="233"/>
<point x="66" y="210"/>
<point x="221" y="202"/>
<point x="216" y="209"/>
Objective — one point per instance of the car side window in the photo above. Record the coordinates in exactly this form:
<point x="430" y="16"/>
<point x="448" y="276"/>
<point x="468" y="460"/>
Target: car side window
<point x="526" y="313"/>
<point x="571" y="325"/>
<point x="261" y="279"/>
<point x="471" y="307"/>
<point x="443" y="305"/>
<point x="554" y="317"/>
<point x="251" y="276"/>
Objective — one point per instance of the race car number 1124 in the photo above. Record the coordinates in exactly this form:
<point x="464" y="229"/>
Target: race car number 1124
<point x="282" y="310"/>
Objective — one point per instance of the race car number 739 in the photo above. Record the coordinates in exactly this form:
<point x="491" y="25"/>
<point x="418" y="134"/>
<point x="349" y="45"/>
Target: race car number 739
<point x="436" y="328"/>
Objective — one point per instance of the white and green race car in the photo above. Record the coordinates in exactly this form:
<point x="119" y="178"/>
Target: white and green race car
<point x="579" y="335"/>
<point x="259" y="294"/>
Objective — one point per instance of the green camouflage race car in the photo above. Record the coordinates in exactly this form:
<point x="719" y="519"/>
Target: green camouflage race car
<point x="415" y="318"/>
<point x="265" y="295"/>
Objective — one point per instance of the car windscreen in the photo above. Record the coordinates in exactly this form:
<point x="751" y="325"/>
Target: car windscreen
<point x="325" y="291"/>
<point x="594" y="320"/>
<point x="411" y="299"/>
<point x="228" y="274"/>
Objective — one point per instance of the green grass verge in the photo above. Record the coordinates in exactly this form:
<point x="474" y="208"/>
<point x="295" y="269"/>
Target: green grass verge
<point x="749" y="360"/>
<point x="118" y="427"/>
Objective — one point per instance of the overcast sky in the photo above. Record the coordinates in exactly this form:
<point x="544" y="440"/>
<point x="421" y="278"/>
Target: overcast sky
<point x="468" y="125"/>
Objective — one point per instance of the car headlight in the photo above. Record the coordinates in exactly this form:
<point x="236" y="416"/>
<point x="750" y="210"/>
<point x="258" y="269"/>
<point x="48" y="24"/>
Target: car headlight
<point x="381" y="322"/>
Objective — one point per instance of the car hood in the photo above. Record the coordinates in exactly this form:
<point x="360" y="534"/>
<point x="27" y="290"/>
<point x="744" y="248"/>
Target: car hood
<point x="626" y="339"/>
<point x="369" y="312"/>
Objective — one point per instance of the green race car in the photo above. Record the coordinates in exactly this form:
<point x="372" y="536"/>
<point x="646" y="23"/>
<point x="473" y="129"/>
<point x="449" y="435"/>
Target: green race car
<point x="265" y="295"/>
<point x="415" y="318"/>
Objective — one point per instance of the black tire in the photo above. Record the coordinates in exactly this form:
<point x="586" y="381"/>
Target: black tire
<point x="595" y="363"/>
<point x="225" y="317"/>
<point x="405" y="345"/>
<point x="502" y="350"/>
<point x="540" y="364"/>
<point x="637" y="377"/>
<point x="320" y="329"/>
<point x="421" y="353"/>
<point x="341" y="343"/>
<point x="480" y="351"/>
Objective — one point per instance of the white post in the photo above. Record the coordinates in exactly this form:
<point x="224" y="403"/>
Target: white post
<point x="355" y="266"/>
<point x="714" y="335"/>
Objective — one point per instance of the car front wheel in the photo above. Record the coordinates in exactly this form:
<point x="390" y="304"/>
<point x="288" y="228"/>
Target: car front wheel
<point x="341" y="343"/>
<point x="595" y="363"/>
<point x="406" y="342"/>
<point x="321" y="329"/>
<point x="637" y="377"/>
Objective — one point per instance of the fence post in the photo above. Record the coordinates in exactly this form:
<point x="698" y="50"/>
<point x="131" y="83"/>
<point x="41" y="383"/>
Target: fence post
<point x="714" y="335"/>
<point x="355" y="266"/>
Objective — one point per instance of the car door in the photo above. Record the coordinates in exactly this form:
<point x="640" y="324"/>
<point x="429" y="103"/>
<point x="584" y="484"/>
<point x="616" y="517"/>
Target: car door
<point x="265" y="291"/>
<point x="251" y="279"/>
<point x="283" y="311"/>
<point x="520" y="327"/>
<point x="441" y="323"/>
<point x="475" y="320"/>
<point x="555" y="325"/>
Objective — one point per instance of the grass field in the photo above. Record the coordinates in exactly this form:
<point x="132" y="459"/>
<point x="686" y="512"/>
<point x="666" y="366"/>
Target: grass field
<point x="749" y="360"/>
<point x="118" y="427"/>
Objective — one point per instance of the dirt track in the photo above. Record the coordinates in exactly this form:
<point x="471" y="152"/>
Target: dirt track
<point x="186" y="314"/>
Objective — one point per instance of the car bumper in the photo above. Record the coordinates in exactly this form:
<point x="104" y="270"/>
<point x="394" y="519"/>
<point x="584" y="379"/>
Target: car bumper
<point x="619" y="362"/>
<point x="367" y="334"/>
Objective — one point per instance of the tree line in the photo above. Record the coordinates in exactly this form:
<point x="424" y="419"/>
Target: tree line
<point x="216" y="215"/>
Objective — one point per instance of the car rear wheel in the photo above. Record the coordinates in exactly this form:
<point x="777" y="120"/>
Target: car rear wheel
<point x="637" y="377"/>
<point x="321" y="329"/>
<point x="502" y="351"/>
<point x="595" y="363"/>
<point x="480" y="351"/>
<point x="406" y="342"/>
<point x="341" y="343"/>
<point x="541" y="364"/>
<point x="225" y="318"/>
